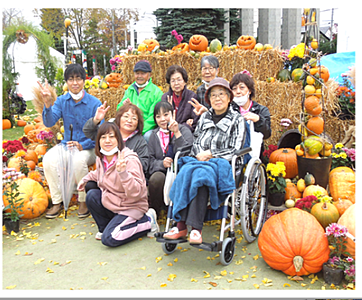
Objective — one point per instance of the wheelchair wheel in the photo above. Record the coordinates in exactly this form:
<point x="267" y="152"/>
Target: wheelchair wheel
<point x="227" y="252"/>
<point x="169" y="248"/>
<point x="254" y="203"/>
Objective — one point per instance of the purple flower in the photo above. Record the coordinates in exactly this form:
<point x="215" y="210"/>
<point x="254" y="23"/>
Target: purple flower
<point x="112" y="61"/>
<point x="336" y="230"/>
<point x="351" y="153"/>
<point x="113" y="67"/>
<point x="174" y="32"/>
<point x="349" y="259"/>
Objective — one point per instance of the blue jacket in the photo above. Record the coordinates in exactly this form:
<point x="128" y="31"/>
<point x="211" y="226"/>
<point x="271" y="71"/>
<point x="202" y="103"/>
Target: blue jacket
<point x="216" y="174"/>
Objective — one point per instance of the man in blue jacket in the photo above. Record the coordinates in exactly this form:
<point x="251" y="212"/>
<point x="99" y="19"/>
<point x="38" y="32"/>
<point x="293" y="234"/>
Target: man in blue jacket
<point x="75" y="108"/>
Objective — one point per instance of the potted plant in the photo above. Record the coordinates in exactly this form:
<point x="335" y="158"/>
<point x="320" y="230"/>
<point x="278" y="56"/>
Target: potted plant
<point x="339" y="265"/>
<point x="11" y="211"/>
<point x="276" y="183"/>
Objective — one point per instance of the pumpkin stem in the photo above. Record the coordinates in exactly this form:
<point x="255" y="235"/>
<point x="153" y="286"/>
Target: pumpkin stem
<point x="298" y="263"/>
<point x="324" y="206"/>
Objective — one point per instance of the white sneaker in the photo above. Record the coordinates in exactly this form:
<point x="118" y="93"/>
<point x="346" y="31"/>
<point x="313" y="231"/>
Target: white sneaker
<point x="154" y="226"/>
<point x="99" y="236"/>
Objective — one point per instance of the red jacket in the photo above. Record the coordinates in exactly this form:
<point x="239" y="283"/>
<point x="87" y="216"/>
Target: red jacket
<point x="122" y="192"/>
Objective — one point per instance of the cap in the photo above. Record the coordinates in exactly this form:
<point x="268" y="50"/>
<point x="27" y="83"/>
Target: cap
<point x="142" y="65"/>
<point x="218" y="81"/>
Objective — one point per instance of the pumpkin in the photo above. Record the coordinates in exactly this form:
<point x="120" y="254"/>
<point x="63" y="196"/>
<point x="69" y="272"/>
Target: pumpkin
<point x="40" y="149"/>
<point x="246" y="42"/>
<point x="15" y="162"/>
<point x="294" y="242"/>
<point x="38" y="119"/>
<point x="198" y="42"/>
<point x="21" y="123"/>
<point x="342" y="184"/>
<point x="32" y="135"/>
<point x="31" y="164"/>
<point x="28" y="128"/>
<point x="342" y="205"/>
<point x="114" y="80"/>
<point x="182" y="47"/>
<point x="326" y="213"/>
<point x="348" y="220"/>
<point x="291" y="191"/>
<point x="289" y="203"/>
<point x="301" y="185"/>
<point x="35" y="175"/>
<point x="34" y="197"/>
<point x="297" y="74"/>
<point x="31" y="155"/>
<point x="152" y="44"/>
<point x="312" y="105"/>
<point x="284" y="75"/>
<point x="322" y="71"/>
<point x="6" y="124"/>
<point x="315" y="125"/>
<point x="309" y="179"/>
<point x="215" y="45"/>
<point x="313" y="145"/>
<point x="289" y="157"/>
<point x="311" y="189"/>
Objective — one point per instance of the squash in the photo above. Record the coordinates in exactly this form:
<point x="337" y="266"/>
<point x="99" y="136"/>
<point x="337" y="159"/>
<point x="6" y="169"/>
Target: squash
<point x="284" y="75"/>
<point x="182" y="47"/>
<point x="31" y="165"/>
<point x="34" y="197"/>
<point x="28" y="128"/>
<point x="152" y="44"/>
<point x="21" y="123"/>
<point x="291" y="191"/>
<point x="342" y="205"/>
<point x="315" y="125"/>
<point x="348" y="220"/>
<point x="40" y="149"/>
<point x="289" y="203"/>
<point x="311" y="189"/>
<point x="309" y="179"/>
<point x="312" y="105"/>
<point x="198" y="42"/>
<point x="313" y="145"/>
<point x="246" y="42"/>
<point x="289" y="157"/>
<point x="38" y="119"/>
<point x="6" y="124"/>
<point x="215" y="45"/>
<point x="294" y="242"/>
<point x="15" y="162"/>
<point x="297" y="74"/>
<point x="31" y="155"/>
<point x="301" y="185"/>
<point x="326" y="213"/>
<point x="342" y="184"/>
<point x="322" y="71"/>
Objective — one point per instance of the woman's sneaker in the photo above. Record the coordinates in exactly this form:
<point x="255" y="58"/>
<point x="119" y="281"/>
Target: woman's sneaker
<point x="152" y="216"/>
<point x="99" y="236"/>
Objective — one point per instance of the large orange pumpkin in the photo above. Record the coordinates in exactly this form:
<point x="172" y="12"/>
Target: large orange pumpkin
<point x="34" y="197"/>
<point x="326" y="213"/>
<point x="342" y="184"/>
<point x="198" y="42"/>
<point x="6" y="124"/>
<point x="294" y="242"/>
<point x="151" y="43"/>
<point x="246" y="42"/>
<point x="182" y="47"/>
<point x="289" y="157"/>
<point x="348" y="220"/>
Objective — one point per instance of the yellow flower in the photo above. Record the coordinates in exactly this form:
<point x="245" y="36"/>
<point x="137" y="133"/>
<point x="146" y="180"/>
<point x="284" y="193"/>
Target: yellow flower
<point x="87" y="83"/>
<point x="95" y="80"/>
<point x="338" y="146"/>
<point x="343" y="155"/>
<point x="20" y="153"/>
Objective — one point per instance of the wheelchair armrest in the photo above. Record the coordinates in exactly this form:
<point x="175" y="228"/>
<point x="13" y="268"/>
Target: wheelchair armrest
<point x="242" y="151"/>
<point x="184" y="150"/>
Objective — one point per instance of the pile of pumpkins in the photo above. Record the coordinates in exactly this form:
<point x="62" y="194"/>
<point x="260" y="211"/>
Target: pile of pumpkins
<point x="294" y="240"/>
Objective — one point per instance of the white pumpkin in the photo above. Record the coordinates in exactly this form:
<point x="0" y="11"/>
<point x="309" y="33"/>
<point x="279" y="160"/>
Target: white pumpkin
<point x="289" y="203"/>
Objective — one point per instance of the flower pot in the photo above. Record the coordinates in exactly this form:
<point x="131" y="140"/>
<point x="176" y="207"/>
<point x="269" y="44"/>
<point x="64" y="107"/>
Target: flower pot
<point x="319" y="168"/>
<point x="332" y="275"/>
<point x="276" y="199"/>
<point x="12" y="225"/>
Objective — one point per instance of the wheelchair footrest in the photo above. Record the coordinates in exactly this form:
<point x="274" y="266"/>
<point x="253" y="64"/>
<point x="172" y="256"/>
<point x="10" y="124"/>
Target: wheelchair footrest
<point x="159" y="238"/>
<point x="214" y="246"/>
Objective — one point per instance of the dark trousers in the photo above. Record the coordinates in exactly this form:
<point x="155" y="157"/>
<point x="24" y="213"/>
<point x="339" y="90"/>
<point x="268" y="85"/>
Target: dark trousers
<point x="155" y="189"/>
<point x="117" y="229"/>
<point x="194" y="214"/>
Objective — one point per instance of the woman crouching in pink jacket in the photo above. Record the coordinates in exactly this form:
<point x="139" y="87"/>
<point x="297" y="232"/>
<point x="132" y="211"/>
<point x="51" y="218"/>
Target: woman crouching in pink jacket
<point x="120" y="205"/>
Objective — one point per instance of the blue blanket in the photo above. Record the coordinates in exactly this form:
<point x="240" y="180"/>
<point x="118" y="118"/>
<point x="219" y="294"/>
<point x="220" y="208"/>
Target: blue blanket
<point x="216" y="174"/>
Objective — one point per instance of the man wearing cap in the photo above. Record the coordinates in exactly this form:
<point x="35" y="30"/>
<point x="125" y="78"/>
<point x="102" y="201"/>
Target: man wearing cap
<point x="144" y="94"/>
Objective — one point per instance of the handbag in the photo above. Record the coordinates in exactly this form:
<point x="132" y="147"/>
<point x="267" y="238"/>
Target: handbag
<point x="170" y="178"/>
<point x="256" y="140"/>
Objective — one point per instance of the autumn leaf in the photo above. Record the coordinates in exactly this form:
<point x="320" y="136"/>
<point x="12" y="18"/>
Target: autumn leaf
<point x="207" y="274"/>
<point x="256" y="285"/>
<point x="223" y="273"/>
<point x="104" y="263"/>
<point x="266" y="280"/>
<point x="217" y="277"/>
<point x="158" y="259"/>
<point x="163" y="285"/>
<point x="193" y="280"/>
<point x="239" y="262"/>
<point x="175" y="260"/>
<point x="17" y="252"/>
<point x="253" y="276"/>
<point x="286" y="284"/>
<point x="256" y="257"/>
<point x="171" y="277"/>
<point x="170" y="264"/>
<point x="48" y="270"/>
<point x="214" y="284"/>
<point x="39" y="261"/>
<point x="297" y="278"/>
<point x="10" y="287"/>
<point x="104" y="278"/>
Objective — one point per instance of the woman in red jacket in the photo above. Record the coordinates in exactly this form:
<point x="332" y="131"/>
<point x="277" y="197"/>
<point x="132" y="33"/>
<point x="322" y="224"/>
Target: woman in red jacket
<point x="120" y="206"/>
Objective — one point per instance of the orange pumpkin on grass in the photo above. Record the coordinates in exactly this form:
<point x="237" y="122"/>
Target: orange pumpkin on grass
<point x="28" y="128"/>
<point x="294" y="242"/>
<point x="198" y="42"/>
<point x="34" y="198"/>
<point x="6" y="124"/>
<point x="21" y="123"/>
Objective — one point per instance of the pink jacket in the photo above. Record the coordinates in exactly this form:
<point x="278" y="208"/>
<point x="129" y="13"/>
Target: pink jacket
<point x="122" y="192"/>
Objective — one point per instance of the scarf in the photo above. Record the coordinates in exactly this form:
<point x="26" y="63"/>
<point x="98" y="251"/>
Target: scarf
<point x="244" y="111"/>
<point x="164" y="136"/>
<point x="177" y="101"/>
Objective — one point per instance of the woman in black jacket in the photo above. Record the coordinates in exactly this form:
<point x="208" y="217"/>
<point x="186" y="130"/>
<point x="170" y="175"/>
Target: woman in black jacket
<point x="179" y="96"/>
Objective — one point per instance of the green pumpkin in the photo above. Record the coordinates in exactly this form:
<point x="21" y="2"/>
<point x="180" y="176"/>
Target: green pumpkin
<point x="298" y="75"/>
<point x="313" y="145"/>
<point x="309" y="179"/>
<point x="215" y="45"/>
<point x="284" y="75"/>
<point x="326" y="213"/>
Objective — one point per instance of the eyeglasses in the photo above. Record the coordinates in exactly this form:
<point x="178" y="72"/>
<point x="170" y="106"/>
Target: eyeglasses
<point x="77" y="79"/>
<point x="220" y="95"/>
<point x="210" y="69"/>
<point x="126" y="117"/>
<point x="176" y="80"/>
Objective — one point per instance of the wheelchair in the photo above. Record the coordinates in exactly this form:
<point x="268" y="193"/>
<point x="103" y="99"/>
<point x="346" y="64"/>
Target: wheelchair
<point x="246" y="206"/>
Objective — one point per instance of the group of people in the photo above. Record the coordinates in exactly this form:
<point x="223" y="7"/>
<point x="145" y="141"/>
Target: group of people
<point x="124" y="194"/>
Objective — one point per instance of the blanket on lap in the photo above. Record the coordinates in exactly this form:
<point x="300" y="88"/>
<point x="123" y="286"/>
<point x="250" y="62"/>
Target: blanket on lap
<point x="216" y="174"/>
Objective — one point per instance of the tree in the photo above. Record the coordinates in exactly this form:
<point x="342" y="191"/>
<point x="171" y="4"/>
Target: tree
<point x="187" y="22"/>
<point x="10" y="16"/>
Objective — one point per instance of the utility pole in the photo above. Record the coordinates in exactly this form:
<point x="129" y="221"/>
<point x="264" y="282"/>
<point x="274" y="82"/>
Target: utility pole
<point x="227" y="26"/>
<point x="113" y="37"/>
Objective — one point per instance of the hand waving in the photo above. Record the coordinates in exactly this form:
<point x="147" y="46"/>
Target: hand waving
<point x="199" y="109"/>
<point x="101" y="113"/>
<point x="121" y="163"/>
<point x="46" y="94"/>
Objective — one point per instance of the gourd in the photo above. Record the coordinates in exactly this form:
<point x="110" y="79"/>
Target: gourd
<point x="246" y="42"/>
<point x="34" y="197"/>
<point x="291" y="191"/>
<point x="322" y="71"/>
<point x="198" y="42"/>
<point x="342" y="205"/>
<point x="297" y="74"/>
<point x="284" y="75"/>
<point x="301" y="185"/>
<point x="294" y="242"/>
<point x="326" y="213"/>
<point x="315" y="125"/>
<point x="313" y="145"/>
<point x="215" y="45"/>
<point x="311" y="189"/>
<point x="289" y="203"/>
<point x="182" y="47"/>
<point x="309" y="179"/>
<point x="342" y="184"/>
<point x="289" y="157"/>
<point x="312" y="105"/>
<point x="348" y="220"/>
<point x="152" y="44"/>
<point x="6" y="124"/>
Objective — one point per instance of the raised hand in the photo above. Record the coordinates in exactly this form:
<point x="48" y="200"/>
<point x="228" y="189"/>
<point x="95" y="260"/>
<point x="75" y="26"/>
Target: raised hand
<point x="173" y="126"/>
<point x="199" y="109"/>
<point x="101" y="113"/>
<point x="46" y="94"/>
<point x="121" y="163"/>
<point x="126" y="101"/>
<point x="169" y="99"/>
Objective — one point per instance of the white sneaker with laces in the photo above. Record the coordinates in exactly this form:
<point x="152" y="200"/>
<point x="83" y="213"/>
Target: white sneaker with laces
<point x="154" y="226"/>
<point x="99" y="235"/>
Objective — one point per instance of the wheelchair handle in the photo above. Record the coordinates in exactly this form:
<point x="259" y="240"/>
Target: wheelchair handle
<point x="242" y="151"/>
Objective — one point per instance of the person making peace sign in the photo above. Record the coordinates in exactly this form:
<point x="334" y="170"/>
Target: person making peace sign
<point x="120" y="205"/>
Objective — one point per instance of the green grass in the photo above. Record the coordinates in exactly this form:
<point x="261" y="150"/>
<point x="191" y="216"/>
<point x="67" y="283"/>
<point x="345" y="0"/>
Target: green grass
<point x="17" y="132"/>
